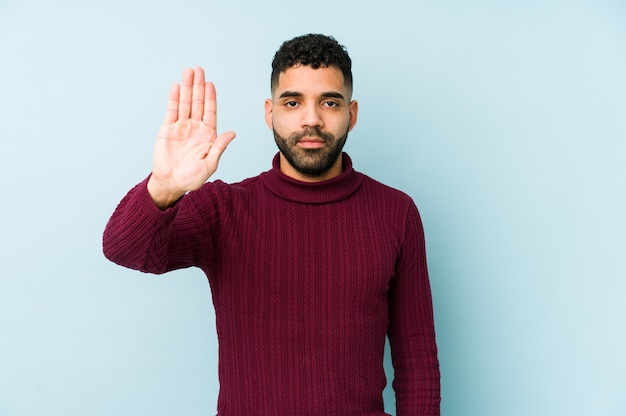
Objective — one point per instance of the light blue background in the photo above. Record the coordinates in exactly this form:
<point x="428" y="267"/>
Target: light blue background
<point x="503" y="120"/>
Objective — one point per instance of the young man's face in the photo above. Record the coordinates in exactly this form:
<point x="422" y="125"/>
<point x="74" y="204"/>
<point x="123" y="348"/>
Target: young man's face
<point x="311" y="114"/>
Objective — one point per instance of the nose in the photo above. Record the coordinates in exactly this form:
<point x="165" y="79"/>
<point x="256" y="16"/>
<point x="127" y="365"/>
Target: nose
<point x="311" y="116"/>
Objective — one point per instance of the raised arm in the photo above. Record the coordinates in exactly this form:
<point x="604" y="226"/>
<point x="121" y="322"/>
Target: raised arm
<point x="187" y="148"/>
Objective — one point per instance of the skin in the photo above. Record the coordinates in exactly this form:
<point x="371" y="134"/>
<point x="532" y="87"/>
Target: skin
<point x="188" y="148"/>
<point x="306" y="100"/>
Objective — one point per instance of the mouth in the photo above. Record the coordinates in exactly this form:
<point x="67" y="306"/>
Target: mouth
<point x="311" y="142"/>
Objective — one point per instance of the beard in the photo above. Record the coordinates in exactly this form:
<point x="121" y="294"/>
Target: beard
<point x="311" y="162"/>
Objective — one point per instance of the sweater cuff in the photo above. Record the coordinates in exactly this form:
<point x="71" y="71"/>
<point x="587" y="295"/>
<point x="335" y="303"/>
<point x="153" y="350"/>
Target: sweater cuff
<point x="145" y="198"/>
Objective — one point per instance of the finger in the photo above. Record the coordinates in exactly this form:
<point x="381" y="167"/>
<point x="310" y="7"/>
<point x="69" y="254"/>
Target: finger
<point x="197" y="99"/>
<point x="219" y="145"/>
<point x="223" y="140"/>
<point x="210" y="106"/>
<point x="184" y="103"/>
<point x="171" y="113"/>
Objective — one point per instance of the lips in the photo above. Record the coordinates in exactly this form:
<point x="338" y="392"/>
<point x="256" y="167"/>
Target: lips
<point x="312" y="139"/>
<point x="311" y="142"/>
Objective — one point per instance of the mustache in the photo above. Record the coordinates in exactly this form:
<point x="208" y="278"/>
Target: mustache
<point x="311" y="132"/>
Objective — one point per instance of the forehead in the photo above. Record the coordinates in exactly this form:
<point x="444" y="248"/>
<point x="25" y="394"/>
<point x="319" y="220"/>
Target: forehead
<point x="306" y="80"/>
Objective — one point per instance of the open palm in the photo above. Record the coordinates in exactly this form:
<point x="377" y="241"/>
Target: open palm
<point x="188" y="149"/>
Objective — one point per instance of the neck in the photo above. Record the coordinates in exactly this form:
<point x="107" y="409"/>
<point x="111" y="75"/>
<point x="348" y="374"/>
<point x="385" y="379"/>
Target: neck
<point x="320" y="192"/>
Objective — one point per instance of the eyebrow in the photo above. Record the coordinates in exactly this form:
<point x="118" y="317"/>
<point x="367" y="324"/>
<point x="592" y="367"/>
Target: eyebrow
<point x="329" y="94"/>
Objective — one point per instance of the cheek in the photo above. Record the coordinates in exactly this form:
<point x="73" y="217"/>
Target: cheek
<point x="281" y="123"/>
<point x="340" y="126"/>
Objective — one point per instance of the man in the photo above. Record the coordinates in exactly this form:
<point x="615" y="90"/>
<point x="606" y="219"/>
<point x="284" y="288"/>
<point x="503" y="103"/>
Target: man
<point x="311" y="264"/>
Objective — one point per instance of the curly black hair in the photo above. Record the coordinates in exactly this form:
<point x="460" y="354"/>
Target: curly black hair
<point x="315" y="50"/>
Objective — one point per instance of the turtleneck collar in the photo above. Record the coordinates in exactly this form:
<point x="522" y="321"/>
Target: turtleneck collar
<point x="330" y="190"/>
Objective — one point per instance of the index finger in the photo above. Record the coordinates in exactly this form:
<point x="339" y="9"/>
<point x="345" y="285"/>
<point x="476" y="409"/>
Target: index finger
<point x="209" y="117"/>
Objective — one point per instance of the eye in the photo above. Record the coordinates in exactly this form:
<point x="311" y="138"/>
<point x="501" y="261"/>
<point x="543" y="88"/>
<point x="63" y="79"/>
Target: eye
<point x="291" y="104"/>
<point x="331" y="104"/>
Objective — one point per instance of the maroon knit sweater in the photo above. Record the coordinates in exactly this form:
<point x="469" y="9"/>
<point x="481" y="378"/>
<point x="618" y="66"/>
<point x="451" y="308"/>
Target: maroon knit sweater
<point x="307" y="280"/>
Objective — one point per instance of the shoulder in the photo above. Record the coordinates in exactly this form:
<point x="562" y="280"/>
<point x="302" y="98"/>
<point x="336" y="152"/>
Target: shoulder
<point x="378" y="189"/>
<point x="221" y="195"/>
<point x="396" y="206"/>
<point x="223" y="188"/>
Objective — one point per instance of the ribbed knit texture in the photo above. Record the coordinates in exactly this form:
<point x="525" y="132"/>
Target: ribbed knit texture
<point x="307" y="280"/>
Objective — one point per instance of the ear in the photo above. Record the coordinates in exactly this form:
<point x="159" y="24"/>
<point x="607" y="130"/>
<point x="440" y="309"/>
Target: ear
<point x="269" y="109"/>
<point x="354" y="111"/>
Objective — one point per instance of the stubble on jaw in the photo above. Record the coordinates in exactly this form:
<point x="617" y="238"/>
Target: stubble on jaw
<point x="311" y="162"/>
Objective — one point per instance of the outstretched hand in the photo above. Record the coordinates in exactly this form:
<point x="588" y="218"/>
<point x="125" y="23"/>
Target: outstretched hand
<point x="188" y="148"/>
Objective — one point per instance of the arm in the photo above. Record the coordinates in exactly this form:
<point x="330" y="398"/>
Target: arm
<point x="138" y="233"/>
<point x="141" y="236"/>
<point x="148" y="231"/>
<point x="411" y="332"/>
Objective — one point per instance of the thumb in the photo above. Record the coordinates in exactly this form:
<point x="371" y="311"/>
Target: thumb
<point x="220" y="143"/>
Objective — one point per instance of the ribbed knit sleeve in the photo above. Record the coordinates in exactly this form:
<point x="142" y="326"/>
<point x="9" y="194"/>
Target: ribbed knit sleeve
<point x="411" y="333"/>
<point x="140" y="236"/>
